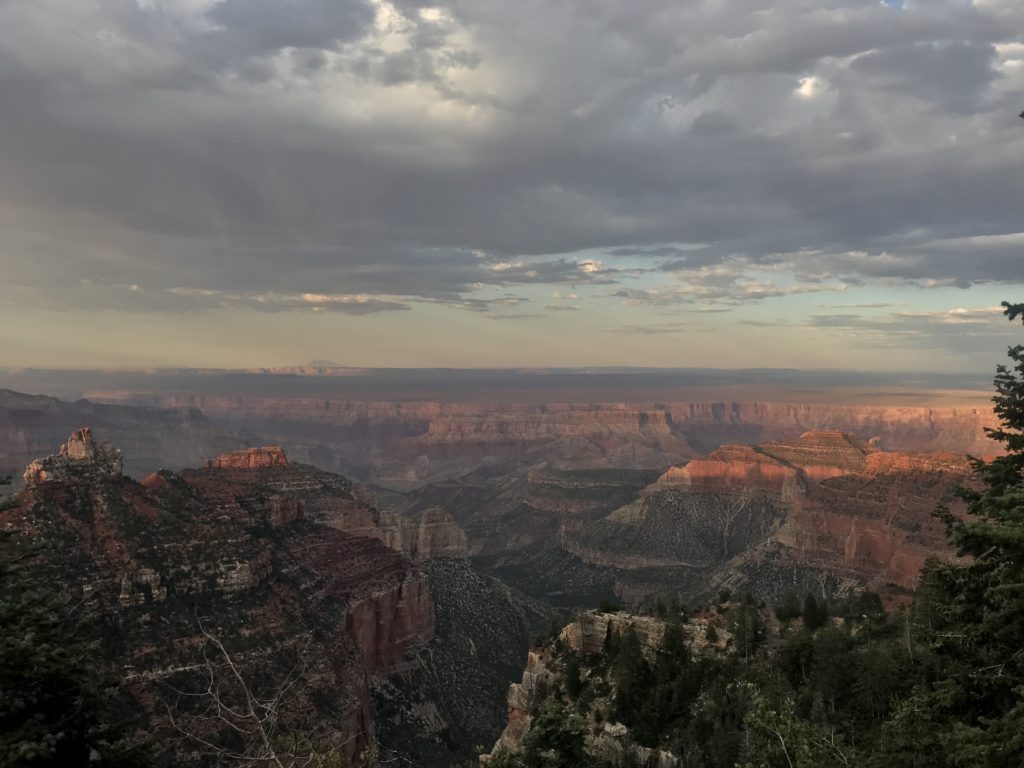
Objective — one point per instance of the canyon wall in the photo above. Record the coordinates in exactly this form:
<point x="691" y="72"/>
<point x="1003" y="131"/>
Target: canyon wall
<point x="894" y="428"/>
<point x="152" y="438"/>
<point x="233" y="551"/>
<point x="826" y="512"/>
<point x="403" y="445"/>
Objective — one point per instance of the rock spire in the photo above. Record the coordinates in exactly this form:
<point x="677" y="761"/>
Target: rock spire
<point x="81" y="454"/>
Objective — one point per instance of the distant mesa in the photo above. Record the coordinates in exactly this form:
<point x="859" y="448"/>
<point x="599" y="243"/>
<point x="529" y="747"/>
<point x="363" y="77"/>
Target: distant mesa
<point x="81" y="454"/>
<point x="252" y="458"/>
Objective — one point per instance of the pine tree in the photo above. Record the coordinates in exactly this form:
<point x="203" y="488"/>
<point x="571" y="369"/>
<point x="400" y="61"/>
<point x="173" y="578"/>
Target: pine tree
<point x="633" y="679"/>
<point x="973" y="714"/>
<point x="555" y="739"/>
<point x="789" y="608"/>
<point x="815" y="614"/>
<point x="573" y="681"/>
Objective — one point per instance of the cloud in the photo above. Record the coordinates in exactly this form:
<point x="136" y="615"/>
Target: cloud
<point x="411" y="152"/>
<point x="649" y="329"/>
<point x="970" y="331"/>
<point x="193" y="299"/>
<point x="245" y="29"/>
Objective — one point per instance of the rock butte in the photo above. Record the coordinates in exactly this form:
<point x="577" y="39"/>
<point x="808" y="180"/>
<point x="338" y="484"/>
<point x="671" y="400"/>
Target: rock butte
<point x="252" y="458"/>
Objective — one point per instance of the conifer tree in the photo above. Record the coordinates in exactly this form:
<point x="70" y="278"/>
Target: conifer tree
<point x="815" y="614"/>
<point x="973" y="713"/>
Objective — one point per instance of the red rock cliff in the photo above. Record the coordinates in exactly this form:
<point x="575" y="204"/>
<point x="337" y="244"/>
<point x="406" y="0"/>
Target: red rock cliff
<point x="824" y="502"/>
<point x="230" y="547"/>
<point x="406" y="444"/>
<point x="252" y="458"/>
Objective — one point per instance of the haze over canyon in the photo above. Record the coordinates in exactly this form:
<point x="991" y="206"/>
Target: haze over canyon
<point x="493" y="384"/>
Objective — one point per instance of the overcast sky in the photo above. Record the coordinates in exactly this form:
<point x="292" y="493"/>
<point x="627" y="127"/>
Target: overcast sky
<point x="510" y="182"/>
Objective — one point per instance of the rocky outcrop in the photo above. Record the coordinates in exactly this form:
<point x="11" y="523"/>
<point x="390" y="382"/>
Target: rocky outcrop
<point x="302" y="491"/>
<point x="80" y="455"/>
<point x="524" y="697"/>
<point x="263" y="479"/>
<point x="239" y="554"/>
<point x="152" y="438"/>
<point x="589" y="632"/>
<point x="439" y="536"/>
<point x="251" y="458"/>
<point x="589" y="636"/>
<point x="432" y="533"/>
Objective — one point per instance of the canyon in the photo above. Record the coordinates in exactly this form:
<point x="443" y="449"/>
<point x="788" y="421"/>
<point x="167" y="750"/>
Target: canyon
<point x="404" y="554"/>
<point x="151" y="438"/>
<point x="824" y="513"/>
<point x="285" y="569"/>
<point x="403" y="445"/>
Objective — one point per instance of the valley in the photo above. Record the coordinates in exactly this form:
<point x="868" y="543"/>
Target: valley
<point x="404" y="556"/>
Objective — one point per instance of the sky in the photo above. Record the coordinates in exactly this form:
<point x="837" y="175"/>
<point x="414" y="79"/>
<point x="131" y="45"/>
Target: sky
<point x="780" y="183"/>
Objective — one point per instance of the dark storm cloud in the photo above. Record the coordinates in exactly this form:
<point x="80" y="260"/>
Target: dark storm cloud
<point x="258" y="27"/>
<point x="255" y="148"/>
<point x="953" y="74"/>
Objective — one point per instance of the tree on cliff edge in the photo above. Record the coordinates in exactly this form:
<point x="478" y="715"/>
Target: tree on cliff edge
<point x="972" y="714"/>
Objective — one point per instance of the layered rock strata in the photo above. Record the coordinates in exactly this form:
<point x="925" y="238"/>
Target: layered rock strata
<point x="230" y="551"/>
<point x="81" y="454"/>
<point x="251" y="458"/>
<point x="825" y="507"/>
<point x="152" y="438"/>
<point x="403" y="445"/>
<point x="433" y="533"/>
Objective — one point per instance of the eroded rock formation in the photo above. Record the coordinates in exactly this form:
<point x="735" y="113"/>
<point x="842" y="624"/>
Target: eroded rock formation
<point x="251" y="458"/>
<point x="589" y="635"/>
<point x="404" y="445"/>
<point x="830" y="510"/>
<point x="432" y="533"/>
<point x="80" y="455"/>
<point x="234" y="550"/>
<point x="151" y="438"/>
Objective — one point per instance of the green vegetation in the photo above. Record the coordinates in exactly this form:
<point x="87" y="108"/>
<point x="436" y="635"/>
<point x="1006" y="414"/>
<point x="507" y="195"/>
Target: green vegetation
<point x="939" y="683"/>
<point x="56" y="709"/>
